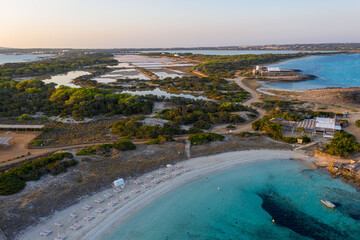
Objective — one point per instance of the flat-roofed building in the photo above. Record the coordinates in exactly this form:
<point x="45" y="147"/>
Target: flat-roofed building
<point x="327" y="125"/>
<point x="5" y="141"/>
<point x="21" y="127"/>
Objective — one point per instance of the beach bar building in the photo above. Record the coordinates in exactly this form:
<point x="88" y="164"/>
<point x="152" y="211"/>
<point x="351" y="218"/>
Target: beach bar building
<point x="119" y="183"/>
<point x="328" y="126"/>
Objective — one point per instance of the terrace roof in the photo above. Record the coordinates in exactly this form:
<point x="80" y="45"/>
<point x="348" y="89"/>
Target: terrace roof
<point x="3" y="126"/>
<point x="5" y="140"/>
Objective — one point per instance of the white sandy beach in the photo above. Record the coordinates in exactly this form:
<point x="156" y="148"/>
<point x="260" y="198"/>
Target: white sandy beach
<point x="113" y="215"/>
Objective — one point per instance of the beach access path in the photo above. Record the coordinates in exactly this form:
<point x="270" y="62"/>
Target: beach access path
<point x="140" y="192"/>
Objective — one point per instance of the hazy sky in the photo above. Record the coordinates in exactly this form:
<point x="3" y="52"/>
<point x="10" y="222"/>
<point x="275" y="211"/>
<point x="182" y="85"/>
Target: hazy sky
<point x="175" y="23"/>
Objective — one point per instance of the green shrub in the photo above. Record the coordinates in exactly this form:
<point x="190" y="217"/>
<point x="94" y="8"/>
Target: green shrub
<point x="289" y="139"/>
<point x="153" y="142"/>
<point x="35" y="143"/>
<point x="201" y="138"/>
<point x="248" y="134"/>
<point x="24" y="117"/>
<point x="343" y="144"/>
<point x="15" y="179"/>
<point x="124" y="146"/>
<point x="306" y="139"/>
<point x="106" y="147"/>
<point x="86" y="151"/>
<point x="194" y="130"/>
<point x="357" y="123"/>
<point x="230" y="127"/>
<point x="202" y="125"/>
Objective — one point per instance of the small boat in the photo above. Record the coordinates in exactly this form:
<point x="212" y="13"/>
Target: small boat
<point x="328" y="203"/>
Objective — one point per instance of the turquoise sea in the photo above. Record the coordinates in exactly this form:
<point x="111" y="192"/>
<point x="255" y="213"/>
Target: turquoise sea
<point x="250" y="197"/>
<point x="341" y="70"/>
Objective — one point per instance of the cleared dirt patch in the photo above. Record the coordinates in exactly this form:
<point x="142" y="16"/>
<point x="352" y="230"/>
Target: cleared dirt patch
<point x="19" y="145"/>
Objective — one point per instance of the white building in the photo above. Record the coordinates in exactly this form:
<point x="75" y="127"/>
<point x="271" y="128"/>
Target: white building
<point x="326" y="125"/>
<point x="119" y="183"/>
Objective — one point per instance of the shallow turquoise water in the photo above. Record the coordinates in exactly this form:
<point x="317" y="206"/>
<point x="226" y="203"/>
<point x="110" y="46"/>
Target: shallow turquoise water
<point x="249" y="198"/>
<point x="341" y="70"/>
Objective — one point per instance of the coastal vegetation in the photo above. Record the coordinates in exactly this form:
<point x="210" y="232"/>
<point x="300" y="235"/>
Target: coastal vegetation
<point x="59" y="64"/>
<point x="275" y="129"/>
<point x="133" y="127"/>
<point x="357" y="123"/>
<point x="248" y="134"/>
<point x="292" y="107"/>
<point x="29" y="97"/>
<point x="60" y="134"/>
<point x="15" y="179"/>
<point x="202" y="138"/>
<point x="202" y="114"/>
<point x="211" y="87"/>
<point x="343" y="144"/>
<point x="105" y="149"/>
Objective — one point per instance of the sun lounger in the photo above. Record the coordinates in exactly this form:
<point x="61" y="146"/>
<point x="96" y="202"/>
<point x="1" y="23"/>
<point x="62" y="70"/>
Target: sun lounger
<point x="165" y="177"/>
<point x="75" y="226"/>
<point x="86" y="207"/>
<point x="160" y="172"/>
<point x="73" y="215"/>
<point x="100" y="210"/>
<point x="88" y="217"/>
<point x="99" y="200"/>
<point x="108" y="195"/>
<point x="116" y="190"/>
<point x="137" y="182"/>
<point x="135" y="191"/>
<point x="45" y="232"/>
<point x="145" y="186"/>
<point x="113" y="203"/>
<point x="124" y="196"/>
<point x="60" y="237"/>
<point x="57" y="224"/>
<point x="156" y="181"/>
<point x="149" y="176"/>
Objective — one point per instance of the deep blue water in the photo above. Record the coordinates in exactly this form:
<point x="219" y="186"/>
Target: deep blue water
<point x="10" y="58"/>
<point x="250" y="197"/>
<point x="341" y="70"/>
<point x="231" y="52"/>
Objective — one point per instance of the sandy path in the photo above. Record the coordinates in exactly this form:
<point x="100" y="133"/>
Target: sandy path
<point x="352" y="128"/>
<point x="255" y="97"/>
<point x="103" y="222"/>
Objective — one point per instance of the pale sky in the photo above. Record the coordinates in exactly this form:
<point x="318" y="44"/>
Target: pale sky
<point x="175" y="23"/>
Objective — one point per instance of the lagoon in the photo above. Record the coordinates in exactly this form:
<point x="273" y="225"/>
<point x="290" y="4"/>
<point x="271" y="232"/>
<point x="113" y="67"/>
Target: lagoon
<point x="66" y="79"/>
<point x="341" y="70"/>
<point x="158" y="92"/>
<point x="250" y="197"/>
